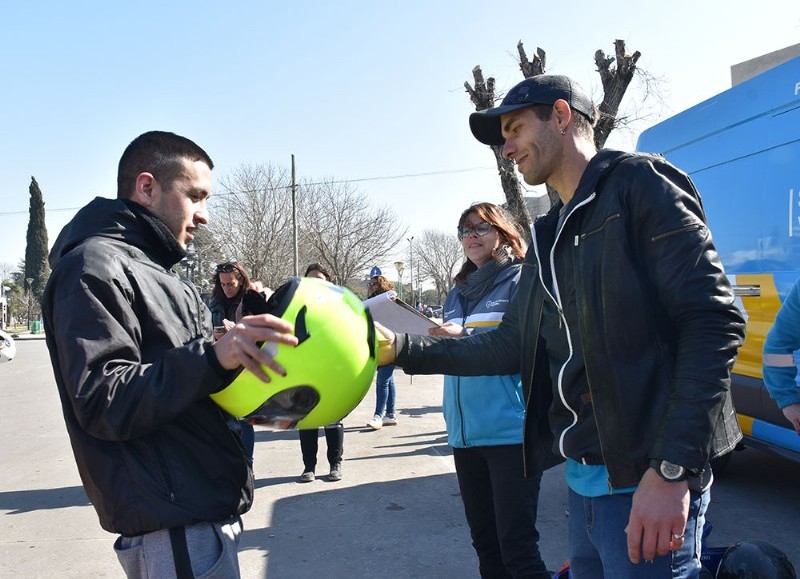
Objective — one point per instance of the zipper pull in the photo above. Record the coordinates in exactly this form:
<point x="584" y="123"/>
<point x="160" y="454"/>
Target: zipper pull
<point x="576" y="241"/>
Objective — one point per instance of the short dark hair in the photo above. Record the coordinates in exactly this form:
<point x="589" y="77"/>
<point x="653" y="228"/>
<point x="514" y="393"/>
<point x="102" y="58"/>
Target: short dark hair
<point x="157" y="152"/>
<point x="317" y="267"/>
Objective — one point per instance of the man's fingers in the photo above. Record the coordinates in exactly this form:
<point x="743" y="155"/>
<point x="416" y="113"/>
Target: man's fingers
<point x="634" y="531"/>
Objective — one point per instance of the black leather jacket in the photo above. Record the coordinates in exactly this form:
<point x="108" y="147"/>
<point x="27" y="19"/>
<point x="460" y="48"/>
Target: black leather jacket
<point x="658" y="324"/>
<point x="130" y="343"/>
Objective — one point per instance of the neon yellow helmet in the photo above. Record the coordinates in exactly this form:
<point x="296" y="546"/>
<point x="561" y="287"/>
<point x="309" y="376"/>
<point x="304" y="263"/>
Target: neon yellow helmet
<point x="327" y="374"/>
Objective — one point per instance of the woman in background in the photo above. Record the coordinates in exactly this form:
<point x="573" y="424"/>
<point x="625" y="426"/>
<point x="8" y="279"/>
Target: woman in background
<point x="485" y="414"/>
<point x="230" y="284"/>
<point x="384" y="382"/>
<point x="334" y="433"/>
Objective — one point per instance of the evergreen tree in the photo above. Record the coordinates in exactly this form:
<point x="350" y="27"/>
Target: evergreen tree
<point x="36" y="267"/>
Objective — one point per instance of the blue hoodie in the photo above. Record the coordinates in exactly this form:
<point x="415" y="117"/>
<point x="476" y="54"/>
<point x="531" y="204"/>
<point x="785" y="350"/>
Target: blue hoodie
<point x="484" y="410"/>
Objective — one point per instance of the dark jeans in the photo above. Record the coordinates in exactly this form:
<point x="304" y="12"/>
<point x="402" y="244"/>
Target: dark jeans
<point x="500" y="505"/>
<point x="309" y="443"/>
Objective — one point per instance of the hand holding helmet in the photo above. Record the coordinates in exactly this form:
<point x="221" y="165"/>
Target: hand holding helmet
<point x="317" y="361"/>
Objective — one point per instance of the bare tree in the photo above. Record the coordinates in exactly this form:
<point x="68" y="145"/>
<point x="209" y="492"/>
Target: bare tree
<point x="439" y="255"/>
<point x="343" y="231"/>
<point x="615" y="80"/>
<point x="251" y="221"/>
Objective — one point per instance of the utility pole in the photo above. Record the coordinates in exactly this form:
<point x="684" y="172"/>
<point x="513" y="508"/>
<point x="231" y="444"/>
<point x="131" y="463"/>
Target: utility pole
<point x="294" y="220"/>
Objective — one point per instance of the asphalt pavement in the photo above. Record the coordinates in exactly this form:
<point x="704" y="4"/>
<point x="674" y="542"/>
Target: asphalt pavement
<point x="397" y="512"/>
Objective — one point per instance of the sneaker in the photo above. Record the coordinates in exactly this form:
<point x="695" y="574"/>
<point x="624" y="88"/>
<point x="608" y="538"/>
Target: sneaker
<point x="307" y="476"/>
<point x="376" y="423"/>
<point x="390" y="421"/>
<point x="336" y="472"/>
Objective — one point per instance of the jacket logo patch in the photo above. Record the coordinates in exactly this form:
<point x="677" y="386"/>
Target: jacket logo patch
<point x="494" y="303"/>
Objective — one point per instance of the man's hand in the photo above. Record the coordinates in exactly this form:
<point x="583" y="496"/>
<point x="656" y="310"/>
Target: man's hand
<point x="237" y="347"/>
<point x="659" y="513"/>
<point x="386" y="345"/>
<point x="792" y="414"/>
<point x="448" y="330"/>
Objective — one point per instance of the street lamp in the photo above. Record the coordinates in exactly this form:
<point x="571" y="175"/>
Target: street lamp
<point x="29" y="283"/>
<point x="398" y="265"/>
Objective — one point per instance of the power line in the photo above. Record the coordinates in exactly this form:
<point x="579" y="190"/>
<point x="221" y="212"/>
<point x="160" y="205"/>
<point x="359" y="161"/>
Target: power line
<point x="358" y="180"/>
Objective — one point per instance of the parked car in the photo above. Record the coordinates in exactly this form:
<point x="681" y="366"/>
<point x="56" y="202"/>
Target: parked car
<point x="433" y="311"/>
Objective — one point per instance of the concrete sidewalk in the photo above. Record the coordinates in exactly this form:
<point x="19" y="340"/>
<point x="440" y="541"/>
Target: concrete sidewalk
<point x="396" y="514"/>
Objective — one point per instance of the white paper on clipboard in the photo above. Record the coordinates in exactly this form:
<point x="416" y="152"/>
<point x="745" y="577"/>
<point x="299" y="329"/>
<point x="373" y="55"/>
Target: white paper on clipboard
<point x="398" y="316"/>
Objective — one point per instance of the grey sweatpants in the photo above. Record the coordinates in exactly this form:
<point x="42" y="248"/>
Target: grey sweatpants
<point x="213" y="551"/>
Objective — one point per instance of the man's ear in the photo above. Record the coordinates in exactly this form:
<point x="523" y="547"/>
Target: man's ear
<point x="563" y="114"/>
<point x="144" y="188"/>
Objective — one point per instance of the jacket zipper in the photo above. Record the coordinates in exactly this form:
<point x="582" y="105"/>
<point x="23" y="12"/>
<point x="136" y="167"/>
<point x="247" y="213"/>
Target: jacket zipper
<point x="562" y="322"/>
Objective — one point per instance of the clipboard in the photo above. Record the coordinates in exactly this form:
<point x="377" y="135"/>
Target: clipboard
<point x="390" y="311"/>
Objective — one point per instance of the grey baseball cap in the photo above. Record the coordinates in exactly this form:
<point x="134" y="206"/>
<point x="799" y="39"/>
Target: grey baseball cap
<point x="543" y="89"/>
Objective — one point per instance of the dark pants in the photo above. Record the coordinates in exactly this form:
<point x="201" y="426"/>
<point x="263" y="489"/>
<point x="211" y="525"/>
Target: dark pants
<point x="309" y="443"/>
<point x="500" y="505"/>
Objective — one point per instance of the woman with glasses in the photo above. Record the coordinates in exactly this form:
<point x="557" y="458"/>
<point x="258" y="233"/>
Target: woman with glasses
<point x="485" y="414"/>
<point x="230" y="284"/>
<point x="384" y="382"/>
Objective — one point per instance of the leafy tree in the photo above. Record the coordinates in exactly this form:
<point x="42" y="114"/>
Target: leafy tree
<point x="36" y="267"/>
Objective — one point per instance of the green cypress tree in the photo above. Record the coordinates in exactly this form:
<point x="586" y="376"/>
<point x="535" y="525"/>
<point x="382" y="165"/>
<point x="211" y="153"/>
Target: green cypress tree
<point x="36" y="267"/>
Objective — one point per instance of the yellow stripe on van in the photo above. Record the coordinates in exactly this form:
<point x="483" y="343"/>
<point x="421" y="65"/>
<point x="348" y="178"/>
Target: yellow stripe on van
<point x="761" y="311"/>
<point x="745" y="423"/>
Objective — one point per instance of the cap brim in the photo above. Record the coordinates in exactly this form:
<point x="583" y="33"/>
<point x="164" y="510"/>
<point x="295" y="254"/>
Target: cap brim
<point x="486" y="125"/>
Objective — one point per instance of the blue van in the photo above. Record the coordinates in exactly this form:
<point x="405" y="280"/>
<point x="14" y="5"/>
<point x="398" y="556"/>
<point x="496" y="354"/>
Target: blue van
<point x="742" y="149"/>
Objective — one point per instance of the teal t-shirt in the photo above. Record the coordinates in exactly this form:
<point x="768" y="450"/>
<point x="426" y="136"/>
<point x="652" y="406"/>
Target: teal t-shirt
<point x="591" y="480"/>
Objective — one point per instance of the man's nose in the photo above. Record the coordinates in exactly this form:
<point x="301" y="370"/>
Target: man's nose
<point x="508" y="150"/>
<point x="201" y="215"/>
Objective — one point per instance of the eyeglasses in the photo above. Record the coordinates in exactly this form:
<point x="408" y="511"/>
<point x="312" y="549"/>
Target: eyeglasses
<point x="226" y="267"/>
<point x="480" y="229"/>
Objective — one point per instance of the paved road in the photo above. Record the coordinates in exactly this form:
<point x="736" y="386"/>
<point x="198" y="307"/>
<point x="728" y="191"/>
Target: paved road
<point x="397" y="513"/>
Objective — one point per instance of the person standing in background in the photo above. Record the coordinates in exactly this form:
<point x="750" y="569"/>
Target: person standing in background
<point x="231" y="282"/>
<point x="780" y="370"/>
<point x="485" y="415"/>
<point x="385" y="414"/>
<point x="334" y="433"/>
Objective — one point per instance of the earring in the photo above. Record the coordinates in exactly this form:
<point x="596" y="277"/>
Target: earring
<point x="563" y="131"/>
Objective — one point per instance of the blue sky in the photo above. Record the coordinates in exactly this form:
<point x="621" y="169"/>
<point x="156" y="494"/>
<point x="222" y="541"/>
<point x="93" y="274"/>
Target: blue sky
<point x="355" y="90"/>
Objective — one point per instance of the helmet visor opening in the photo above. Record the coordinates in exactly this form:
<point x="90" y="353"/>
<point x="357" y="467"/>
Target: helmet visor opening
<point x="285" y="409"/>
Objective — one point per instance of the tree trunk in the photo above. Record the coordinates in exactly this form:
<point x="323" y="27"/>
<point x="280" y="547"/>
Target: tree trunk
<point x="615" y="83"/>
<point x="482" y="97"/>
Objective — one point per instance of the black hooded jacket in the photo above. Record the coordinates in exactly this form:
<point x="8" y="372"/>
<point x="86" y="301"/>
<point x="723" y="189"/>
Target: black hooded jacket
<point x="656" y="321"/>
<point x="131" y="346"/>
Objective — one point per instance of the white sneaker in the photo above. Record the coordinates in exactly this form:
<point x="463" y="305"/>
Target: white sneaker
<point x="376" y="423"/>
<point x="390" y="421"/>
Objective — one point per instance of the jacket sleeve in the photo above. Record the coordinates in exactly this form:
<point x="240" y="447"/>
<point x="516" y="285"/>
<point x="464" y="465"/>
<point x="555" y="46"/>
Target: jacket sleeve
<point x="697" y="302"/>
<point x="780" y="371"/>
<point x="123" y="376"/>
<point x="485" y="354"/>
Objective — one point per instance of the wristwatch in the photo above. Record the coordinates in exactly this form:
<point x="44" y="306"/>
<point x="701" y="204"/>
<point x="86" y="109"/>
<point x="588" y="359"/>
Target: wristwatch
<point x="669" y="471"/>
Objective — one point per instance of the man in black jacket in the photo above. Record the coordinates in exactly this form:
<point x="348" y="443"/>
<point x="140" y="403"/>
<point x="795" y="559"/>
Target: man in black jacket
<point x="624" y="329"/>
<point x="135" y="361"/>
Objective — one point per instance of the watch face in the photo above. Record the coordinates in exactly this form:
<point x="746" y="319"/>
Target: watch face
<point x="671" y="471"/>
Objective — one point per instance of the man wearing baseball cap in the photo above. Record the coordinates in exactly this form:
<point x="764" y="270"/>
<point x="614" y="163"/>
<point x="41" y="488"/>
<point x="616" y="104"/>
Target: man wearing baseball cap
<point x="624" y="329"/>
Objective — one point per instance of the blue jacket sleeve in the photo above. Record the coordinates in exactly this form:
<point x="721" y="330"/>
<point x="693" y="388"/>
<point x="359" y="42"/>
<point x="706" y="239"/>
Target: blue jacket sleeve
<point x="783" y="339"/>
